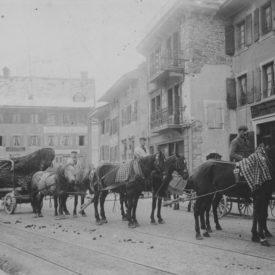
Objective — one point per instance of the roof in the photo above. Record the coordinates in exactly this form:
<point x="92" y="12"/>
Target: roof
<point x="120" y="85"/>
<point x="231" y="7"/>
<point x="46" y="92"/>
<point x="99" y="111"/>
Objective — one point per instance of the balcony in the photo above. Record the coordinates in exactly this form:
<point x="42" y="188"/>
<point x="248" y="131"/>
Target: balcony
<point x="165" y="65"/>
<point x="168" y="118"/>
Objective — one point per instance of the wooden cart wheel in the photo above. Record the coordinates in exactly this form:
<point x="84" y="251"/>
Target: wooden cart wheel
<point x="224" y="206"/>
<point x="9" y="203"/>
<point x="245" y="208"/>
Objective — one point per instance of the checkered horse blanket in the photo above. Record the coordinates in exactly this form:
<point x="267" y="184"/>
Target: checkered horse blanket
<point x="255" y="169"/>
<point x="128" y="170"/>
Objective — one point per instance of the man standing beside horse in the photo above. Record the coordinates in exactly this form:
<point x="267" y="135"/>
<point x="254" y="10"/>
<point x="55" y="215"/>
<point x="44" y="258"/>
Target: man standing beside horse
<point x="240" y="146"/>
<point x="79" y="171"/>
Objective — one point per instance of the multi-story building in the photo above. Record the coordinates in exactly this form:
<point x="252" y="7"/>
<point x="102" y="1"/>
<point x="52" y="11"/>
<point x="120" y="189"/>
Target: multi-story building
<point x="124" y="119"/>
<point x="40" y="112"/>
<point x="250" y="41"/>
<point x="187" y="71"/>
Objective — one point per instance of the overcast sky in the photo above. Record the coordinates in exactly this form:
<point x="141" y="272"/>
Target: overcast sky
<point x="60" y="38"/>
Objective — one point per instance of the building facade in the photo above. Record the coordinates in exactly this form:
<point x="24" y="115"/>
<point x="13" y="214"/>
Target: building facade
<point x="124" y="118"/>
<point x="250" y="41"/>
<point x="187" y="71"/>
<point x="38" y="112"/>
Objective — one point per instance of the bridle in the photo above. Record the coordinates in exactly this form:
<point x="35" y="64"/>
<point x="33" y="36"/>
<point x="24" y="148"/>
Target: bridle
<point x="157" y="162"/>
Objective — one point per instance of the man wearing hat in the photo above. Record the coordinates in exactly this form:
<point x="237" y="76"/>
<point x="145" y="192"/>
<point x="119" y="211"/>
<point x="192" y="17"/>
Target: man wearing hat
<point x="240" y="147"/>
<point x="141" y="150"/>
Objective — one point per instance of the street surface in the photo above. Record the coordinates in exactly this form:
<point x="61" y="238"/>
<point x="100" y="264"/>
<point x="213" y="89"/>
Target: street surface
<point x="48" y="245"/>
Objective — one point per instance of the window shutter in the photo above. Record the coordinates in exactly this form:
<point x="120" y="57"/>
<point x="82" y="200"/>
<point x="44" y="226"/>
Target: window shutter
<point x="257" y="84"/>
<point x="229" y="40"/>
<point x="231" y="93"/>
<point x="256" y="25"/>
<point x="248" y="30"/>
<point x="273" y="13"/>
<point x="250" y="88"/>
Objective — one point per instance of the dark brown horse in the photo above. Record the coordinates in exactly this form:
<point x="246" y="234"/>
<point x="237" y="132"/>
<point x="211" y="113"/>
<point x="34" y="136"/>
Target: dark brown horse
<point x="104" y="179"/>
<point x="52" y="183"/>
<point x="216" y="177"/>
<point x="159" y="184"/>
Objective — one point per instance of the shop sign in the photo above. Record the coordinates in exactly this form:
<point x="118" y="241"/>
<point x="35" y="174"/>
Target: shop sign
<point x="262" y="109"/>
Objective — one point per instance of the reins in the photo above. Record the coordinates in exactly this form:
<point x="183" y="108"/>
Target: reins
<point x="201" y="196"/>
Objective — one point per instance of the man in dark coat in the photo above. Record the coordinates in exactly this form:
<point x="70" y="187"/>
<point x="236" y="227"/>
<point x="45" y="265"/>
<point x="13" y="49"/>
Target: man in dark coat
<point x="240" y="146"/>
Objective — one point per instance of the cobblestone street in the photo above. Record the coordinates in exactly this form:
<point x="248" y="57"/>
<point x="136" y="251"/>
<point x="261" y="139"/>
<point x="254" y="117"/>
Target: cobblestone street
<point x="78" y="246"/>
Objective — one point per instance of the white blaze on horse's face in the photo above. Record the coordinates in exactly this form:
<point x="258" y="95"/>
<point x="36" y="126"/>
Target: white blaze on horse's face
<point x="70" y="174"/>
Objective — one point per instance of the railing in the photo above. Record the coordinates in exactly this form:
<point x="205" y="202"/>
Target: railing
<point x="167" y="117"/>
<point x="168" y="60"/>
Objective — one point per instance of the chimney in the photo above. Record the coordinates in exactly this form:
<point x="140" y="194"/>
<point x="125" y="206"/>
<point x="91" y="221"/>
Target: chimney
<point x="6" y="72"/>
<point x="84" y="75"/>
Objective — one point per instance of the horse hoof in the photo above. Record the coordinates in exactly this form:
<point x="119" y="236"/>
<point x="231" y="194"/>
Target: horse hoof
<point x="40" y="215"/>
<point x="161" y="221"/>
<point x="99" y="222"/>
<point x="131" y="225"/>
<point x="209" y="230"/>
<point x="206" y="234"/>
<point x="218" y="227"/>
<point x="125" y="219"/>
<point x="199" y="237"/>
<point x="154" y="222"/>
<point x="104" y="221"/>
<point x="268" y="234"/>
<point x="75" y="215"/>
<point x="265" y="243"/>
<point x="35" y="216"/>
<point x="255" y="239"/>
<point x="67" y="213"/>
<point x="136" y="224"/>
<point x="83" y="214"/>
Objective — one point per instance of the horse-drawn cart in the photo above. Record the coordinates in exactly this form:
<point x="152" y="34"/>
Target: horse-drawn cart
<point x="16" y="175"/>
<point x="10" y="193"/>
<point x="245" y="206"/>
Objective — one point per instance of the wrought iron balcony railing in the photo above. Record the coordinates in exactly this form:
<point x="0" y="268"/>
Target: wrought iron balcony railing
<point x="167" y="118"/>
<point x="167" y="61"/>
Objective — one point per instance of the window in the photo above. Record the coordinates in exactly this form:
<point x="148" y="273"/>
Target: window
<point x="34" y="141"/>
<point x="242" y="84"/>
<point x="102" y="127"/>
<point x="155" y="61"/>
<point x="241" y="35"/>
<point x="266" y="18"/>
<point x="1" y="140"/>
<point x="65" y="141"/>
<point x="268" y="80"/>
<point x="51" y="119"/>
<point x="16" y="141"/>
<point x="34" y="118"/>
<point x="134" y="114"/>
<point x="131" y="142"/>
<point x="16" y="118"/>
<point x="124" y="149"/>
<point x="81" y="140"/>
<point x="104" y="153"/>
<point x="66" y="119"/>
<point x="51" y="140"/>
